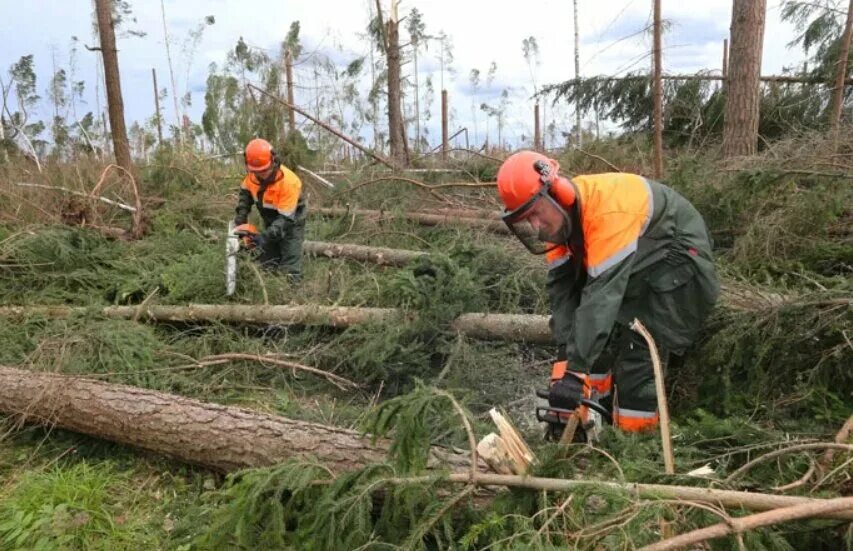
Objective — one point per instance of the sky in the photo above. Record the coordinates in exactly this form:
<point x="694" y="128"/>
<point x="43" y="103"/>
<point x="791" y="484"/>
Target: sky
<point x="612" y="41"/>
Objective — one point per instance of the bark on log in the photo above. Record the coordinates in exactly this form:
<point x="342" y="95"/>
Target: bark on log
<point x="423" y="218"/>
<point x="377" y="255"/>
<point x="219" y="437"/>
<point x="511" y="327"/>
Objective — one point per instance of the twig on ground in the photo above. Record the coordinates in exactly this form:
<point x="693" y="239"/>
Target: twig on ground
<point x="802" y="481"/>
<point x="261" y="282"/>
<point x="751" y="522"/>
<point x="340" y="382"/>
<point x="843" y="434"/>
<point x="784" y="451"/>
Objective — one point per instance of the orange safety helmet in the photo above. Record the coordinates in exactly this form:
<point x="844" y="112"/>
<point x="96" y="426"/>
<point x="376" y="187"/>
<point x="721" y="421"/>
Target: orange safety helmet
<point x="524" y="179"/>
<point x="259" y="155"/>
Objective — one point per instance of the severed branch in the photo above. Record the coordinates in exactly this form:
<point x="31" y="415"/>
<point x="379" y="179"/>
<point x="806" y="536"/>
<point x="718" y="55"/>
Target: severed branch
<point x="328" y="128"/>
<point x="843" y="435"/>
<point x="802" y="481"/>
<point x="751" y="522"/>
<point x="422" y="185"/>
<point x="137" y="213"/>
<point x="316" y="176"/>
<point x="122" y="206"/>
<point x="340" y="382"/>
<point x="663" y="409"/>
<point x="599" y="158"/>
<point x="784" y="451"/>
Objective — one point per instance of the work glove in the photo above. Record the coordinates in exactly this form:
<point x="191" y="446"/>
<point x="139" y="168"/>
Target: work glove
<point x="568" y="391"/>
<point x="259" y="241"/>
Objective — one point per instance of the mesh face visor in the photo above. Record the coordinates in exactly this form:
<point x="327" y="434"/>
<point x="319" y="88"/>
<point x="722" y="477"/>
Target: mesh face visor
<point x="538" y="241"/>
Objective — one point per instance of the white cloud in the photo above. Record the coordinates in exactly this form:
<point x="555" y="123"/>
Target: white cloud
<point x="481" y="32"/>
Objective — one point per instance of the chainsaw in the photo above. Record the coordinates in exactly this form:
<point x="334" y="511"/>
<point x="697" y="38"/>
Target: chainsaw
<point x="558" y="419"/>
<point x="240" y="238"/>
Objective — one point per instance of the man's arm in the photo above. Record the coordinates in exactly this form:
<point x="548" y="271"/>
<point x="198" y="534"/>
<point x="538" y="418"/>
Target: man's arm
<point x="596" y="314"/>
<point x="244" y="205"/>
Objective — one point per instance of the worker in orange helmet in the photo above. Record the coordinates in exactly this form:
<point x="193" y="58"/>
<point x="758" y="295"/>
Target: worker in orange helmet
<point x="618" y="247"/>
<point x="277" y="192"/>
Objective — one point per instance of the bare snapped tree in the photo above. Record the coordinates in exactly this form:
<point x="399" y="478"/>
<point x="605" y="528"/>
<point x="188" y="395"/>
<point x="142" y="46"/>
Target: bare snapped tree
<point x="391" y="43"/>
<point x="841" y="72"/>
<point x="740" y="135"/>
<point x="106" y="31"/>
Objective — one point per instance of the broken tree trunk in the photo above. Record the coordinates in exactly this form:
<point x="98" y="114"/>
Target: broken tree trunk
<point x="219" y="437"/>
<point x="112" y="80"/>
<point x="423" y="218"/>
<point x="513" y="327"/>
<point x="377" y="255"/>
<point x="235" y="313"/>
<point x="227" y="438"/>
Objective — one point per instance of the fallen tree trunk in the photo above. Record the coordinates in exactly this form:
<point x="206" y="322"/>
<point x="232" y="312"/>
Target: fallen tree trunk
<point x="377" y="255"/>
<point x="222" y="438"/>
<point x="423" y="218"/>
<point x="218" y="437"/>
<point x="227" y="438"/>
<point x="734" y="295"/>
<point x="236" y="313"/>
<point x="512" y="327"/>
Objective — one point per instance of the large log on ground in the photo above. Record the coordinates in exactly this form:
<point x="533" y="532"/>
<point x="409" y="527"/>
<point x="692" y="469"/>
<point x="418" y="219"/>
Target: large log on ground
<point x="423" y="218"/>
<point x="227" y="438"/>
<point x="377" y="255"/>
<point x="218" y="437"/>
<point x="334" y="316"/>
<point x="512" y="327"/>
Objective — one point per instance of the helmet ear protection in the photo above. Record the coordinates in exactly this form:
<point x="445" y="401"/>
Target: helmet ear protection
<point x="557" y="187"/>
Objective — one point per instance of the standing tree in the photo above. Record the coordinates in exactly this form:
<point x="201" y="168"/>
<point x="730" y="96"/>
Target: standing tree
<point x="743" y="89"/>
<point x="391" y="45"/>
<point x="23" y="83"/>
<point x="474" y="78"/>
<point x="106" y="31"/>
<point x="841" y="72"/>
<point x="530" y="50"/>
<point x="417" y="34"/>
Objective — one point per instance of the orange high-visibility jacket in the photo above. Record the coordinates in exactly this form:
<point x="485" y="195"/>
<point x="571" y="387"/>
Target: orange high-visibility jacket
<point x="280" y="202"/>
<point x="281" y="196"/>
<point x="639" y="237"/>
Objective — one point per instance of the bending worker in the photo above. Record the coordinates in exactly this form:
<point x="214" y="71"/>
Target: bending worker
<point x="277" y="192"/>
<point x="618" y="247"/>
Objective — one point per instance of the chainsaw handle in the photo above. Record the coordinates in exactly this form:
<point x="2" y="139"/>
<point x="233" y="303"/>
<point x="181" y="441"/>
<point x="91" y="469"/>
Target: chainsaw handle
<point x="591" y="404"/>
